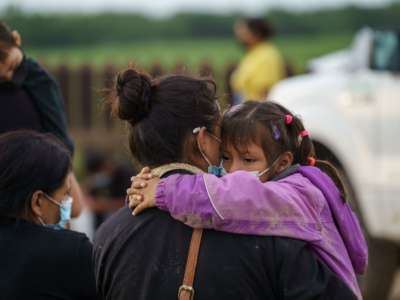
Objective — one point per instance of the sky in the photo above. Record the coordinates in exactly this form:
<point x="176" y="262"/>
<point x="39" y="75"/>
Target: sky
<point x="164" y="8"/>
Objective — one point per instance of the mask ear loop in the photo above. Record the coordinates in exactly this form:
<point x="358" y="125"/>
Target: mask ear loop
<point x="263" y="172"/>
<point x="196" y="131"/>
<point x="51" y="200"/>
<point x="269" y="168"/>
<point x="41" y="221"/>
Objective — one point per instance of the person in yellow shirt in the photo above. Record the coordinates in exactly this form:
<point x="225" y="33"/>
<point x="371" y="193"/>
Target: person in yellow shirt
<point x="261" y="67"/>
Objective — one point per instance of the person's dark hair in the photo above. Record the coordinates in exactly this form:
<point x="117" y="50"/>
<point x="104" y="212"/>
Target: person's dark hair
<point x="264" y="123"/>
<point x="162" y="113"/>
<point x="7" y="40"/>
<point x="260" y="27"/>
<point x="29" y="162"/>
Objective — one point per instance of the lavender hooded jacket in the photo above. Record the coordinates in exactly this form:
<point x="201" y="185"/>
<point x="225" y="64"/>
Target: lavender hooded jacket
<point x="305" y="205"/>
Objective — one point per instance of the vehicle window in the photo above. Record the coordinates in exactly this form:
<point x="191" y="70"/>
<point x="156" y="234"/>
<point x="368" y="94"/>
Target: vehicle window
<point x="386" y="51"/>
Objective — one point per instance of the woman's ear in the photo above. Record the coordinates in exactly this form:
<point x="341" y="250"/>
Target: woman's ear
<point x="285" y="161"/>
<point x="17" y="38"/>
<point x="37" y="204"/>
<point x="201" y="137"/>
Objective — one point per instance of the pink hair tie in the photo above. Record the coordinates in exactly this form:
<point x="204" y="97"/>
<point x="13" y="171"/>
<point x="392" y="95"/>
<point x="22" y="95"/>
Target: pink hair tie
<point x="288" y="119"/>
<point x="311" y="161"/>
<point x="304" y="133"/>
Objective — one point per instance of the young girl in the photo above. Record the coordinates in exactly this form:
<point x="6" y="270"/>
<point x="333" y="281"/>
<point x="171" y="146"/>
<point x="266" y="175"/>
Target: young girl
<point x="294" y="198"/>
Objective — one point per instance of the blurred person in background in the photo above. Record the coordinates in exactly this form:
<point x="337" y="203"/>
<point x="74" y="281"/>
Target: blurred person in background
<point x="105" y="185"/>
<point x="262" y="66"/>
<point x="38" y="258"/>
<point x="31" y="98"/>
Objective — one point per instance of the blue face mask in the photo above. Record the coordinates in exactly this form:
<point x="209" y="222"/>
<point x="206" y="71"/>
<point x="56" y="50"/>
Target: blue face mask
<point x="218" y="171"/>
<point x="212" y="169"/>
<point x="65" y="212"/>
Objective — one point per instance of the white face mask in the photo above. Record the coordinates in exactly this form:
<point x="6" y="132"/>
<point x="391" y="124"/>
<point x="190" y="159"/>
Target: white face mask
<point x="258" y="173"/>
<point x="261" y="173"/>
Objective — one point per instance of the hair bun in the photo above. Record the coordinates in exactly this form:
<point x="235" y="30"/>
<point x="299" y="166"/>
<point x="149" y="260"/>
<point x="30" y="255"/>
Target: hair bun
<point x="134" y="95"/>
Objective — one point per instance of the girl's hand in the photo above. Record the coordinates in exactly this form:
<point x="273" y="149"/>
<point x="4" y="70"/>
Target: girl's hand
<point x="141" y="195"/>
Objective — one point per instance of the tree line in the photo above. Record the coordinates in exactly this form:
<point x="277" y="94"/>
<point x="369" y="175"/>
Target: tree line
<point x="42" y="30"/>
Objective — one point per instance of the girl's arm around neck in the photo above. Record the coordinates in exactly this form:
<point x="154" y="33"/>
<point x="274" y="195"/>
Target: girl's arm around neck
<point x="240" y="203"/>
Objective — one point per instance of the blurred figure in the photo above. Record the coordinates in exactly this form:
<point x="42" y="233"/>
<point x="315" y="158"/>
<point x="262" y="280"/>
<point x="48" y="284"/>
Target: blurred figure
<point x="106" y="184"/>
<point x="31" y="98"/>
<point x="261" y="67"/>
<point x="38" y="258"/>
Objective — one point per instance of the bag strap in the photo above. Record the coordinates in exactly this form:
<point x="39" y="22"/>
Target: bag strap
<point x="186" y="290"/>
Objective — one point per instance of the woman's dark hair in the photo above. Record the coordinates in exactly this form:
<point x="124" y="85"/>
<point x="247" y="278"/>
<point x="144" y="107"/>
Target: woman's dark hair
<point x="260" y="27"/>
<point x="29" y="162"/>
<point x="7" y="40"/>
<point x="264" y="123"/>
<point x="163" y="112"/>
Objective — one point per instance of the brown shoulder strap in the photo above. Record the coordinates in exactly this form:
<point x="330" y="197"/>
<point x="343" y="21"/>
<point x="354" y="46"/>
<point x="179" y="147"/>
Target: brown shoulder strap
<point x="186" y="290"/>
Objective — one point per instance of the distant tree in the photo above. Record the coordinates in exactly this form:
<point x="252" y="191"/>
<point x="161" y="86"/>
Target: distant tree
<point x="80" y="29"/>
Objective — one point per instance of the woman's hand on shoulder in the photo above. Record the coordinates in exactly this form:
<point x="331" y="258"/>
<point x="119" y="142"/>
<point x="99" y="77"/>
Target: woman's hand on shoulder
<point x="142" y="192"/>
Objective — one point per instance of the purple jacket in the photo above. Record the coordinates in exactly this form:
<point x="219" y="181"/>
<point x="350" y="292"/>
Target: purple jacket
<point x="305" y="205"/>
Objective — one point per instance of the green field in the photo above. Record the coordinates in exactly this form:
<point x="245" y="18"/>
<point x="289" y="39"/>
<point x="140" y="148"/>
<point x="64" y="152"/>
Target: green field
<point x="297" y="49"/>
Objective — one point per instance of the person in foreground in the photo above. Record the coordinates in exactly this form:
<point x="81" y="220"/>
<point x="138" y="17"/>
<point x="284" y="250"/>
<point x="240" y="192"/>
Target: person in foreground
<point x="279" y="195"/>
<point x="175" y="129"/>
<point x="38" y="258"/>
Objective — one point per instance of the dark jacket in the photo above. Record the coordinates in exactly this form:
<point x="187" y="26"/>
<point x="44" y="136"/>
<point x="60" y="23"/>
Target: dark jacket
<point x="33" y="101"/>
<point x="144" y="257"/>
<point x="39" y="263"/>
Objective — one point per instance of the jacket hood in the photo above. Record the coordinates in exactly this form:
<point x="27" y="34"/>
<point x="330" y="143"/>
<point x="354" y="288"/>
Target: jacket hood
<point x="344" y="217"/>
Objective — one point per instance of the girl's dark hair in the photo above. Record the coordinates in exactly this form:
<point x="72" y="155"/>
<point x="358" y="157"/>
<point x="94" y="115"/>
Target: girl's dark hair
<point x="7" y="40"/>
<point x="264" y="123"/>
<point x="163" y="112"/>
<point x="260" y="27"/>
<point x="29" y="162"/>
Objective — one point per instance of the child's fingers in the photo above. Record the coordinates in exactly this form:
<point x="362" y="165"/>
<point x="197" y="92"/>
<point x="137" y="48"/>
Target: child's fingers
<point x="145" y="170"/>
<point x="145" y="176"/>
<point x="145" y="173"/>
<point x="139" y="208"/>
<point x="134" y="201"/>
<point x="139" y="184"/>
<point x="131" y="192"/>
<point x="136" y="187"/>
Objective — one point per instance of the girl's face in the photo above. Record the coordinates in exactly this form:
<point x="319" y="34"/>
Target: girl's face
<point x="252" y="158"/>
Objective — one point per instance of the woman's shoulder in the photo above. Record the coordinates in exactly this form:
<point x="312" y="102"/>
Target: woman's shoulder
<point x="70" y="250"/>
<point x="60" y="240"/>
<point x="66" y="236"/>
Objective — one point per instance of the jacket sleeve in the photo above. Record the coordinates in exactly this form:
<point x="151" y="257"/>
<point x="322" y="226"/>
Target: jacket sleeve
<point x="48" y="100"/>
<point x="302" y="276"/>
<point x="239" y="203"/>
